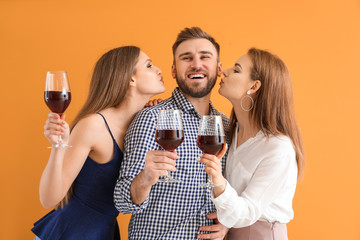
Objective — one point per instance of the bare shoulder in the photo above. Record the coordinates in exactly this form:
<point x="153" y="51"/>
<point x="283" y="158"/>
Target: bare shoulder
<point x="92" y="120"/>
<point x="89" y="128"/>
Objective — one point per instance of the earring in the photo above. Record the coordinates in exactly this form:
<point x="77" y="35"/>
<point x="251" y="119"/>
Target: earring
<point x="251" y="99"/>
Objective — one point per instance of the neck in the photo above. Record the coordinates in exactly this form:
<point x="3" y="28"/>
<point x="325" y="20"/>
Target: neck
<point x="246" y="128"/>
<point x="129" y="107"/>
<point x="200" y="104"/>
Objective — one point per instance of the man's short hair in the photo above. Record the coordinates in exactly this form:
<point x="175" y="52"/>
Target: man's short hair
<point x="194" y="33"/>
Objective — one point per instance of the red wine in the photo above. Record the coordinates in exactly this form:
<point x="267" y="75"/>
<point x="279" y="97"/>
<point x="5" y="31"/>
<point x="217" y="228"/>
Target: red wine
<point x="169" y="139"/>
<point x="211" y="144"/>
<point x="57" y="101"/>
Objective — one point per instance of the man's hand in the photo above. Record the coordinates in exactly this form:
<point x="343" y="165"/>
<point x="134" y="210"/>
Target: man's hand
<point x="218" y="231"/>
<point x="157" y="163"/>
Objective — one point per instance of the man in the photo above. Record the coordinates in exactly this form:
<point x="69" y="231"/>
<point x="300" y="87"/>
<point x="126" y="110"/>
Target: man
<point x="173" y="210"/>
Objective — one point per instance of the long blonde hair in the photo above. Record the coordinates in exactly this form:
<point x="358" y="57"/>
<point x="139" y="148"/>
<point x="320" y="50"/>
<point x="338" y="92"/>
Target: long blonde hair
<point x="273" y="110"/>
<point x="109" y="84"/>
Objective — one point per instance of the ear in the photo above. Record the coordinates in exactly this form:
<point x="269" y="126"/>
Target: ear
<point x="256" y="86"/>
<point x="173" y="71"/>
<point x="132" y="81"/>
<point x="220" y="69"/>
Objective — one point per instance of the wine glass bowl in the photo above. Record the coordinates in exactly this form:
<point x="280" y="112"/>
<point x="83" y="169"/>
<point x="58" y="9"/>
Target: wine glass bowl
<point x="211" y="144"/>
<point x="57" y="96"/>
<point x="211" y="139"/>
<point x="169" y="134"/>
<point x="169" y="139"/>
<point x="57" y="101"/>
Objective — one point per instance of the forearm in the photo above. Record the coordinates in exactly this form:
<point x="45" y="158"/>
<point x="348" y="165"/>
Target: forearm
<point x="139" y="189"/>
<point x="234" y="210"/>
<point x="51" y="183"/>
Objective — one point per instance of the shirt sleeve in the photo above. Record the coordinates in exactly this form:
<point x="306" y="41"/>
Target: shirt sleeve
<point x="268" y="179"/>
<point x="139" y="139"/>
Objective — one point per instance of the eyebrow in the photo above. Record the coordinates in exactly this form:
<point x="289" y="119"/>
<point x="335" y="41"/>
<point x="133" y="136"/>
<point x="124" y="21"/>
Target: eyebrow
<point x="148" y="60"/>
<point x="238" y="65"/>
<point x="206" y="52"/>
<point x="189" y="53"/>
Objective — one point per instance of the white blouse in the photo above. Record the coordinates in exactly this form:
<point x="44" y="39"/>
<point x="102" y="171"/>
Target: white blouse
<point x="262" y="177"/>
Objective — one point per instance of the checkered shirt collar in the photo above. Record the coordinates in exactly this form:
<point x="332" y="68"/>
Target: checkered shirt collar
<point x="184" y="105"/>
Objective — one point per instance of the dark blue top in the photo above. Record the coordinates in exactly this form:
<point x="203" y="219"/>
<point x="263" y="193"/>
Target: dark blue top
<point x="90" y="212"/>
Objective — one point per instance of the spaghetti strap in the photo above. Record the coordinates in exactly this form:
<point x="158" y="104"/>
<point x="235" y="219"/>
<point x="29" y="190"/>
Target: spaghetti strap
<point x="107" y="127"/>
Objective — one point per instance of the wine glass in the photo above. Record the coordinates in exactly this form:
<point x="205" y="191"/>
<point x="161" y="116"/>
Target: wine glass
<point x="57" y="96"/>
<point x="169" y="134"/>
<point x="211" y="138"/>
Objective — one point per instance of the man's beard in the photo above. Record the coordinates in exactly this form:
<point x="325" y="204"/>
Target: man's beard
<point x="194" y="91"/>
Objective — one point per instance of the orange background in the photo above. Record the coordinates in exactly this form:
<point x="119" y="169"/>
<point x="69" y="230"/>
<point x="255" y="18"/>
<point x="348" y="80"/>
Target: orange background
<point x="318" y="39"/>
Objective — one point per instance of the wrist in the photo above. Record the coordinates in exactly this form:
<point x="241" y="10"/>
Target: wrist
<point x="144" y="179"/>
<point x="139" y="189"/>
<point x="219" y="180"/>
<point x="221" y="183"/>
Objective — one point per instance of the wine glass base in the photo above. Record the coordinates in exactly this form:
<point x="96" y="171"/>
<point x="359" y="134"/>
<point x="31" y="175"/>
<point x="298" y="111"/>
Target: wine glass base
<point x="60" y="145"/>
<point x="209" y="185"/>
<point x="169" y="180"/>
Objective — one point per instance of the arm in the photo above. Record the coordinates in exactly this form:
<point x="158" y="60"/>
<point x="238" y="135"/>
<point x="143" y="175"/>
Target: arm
<point x="142" y="166"/>
<point x="217" y="230"/>
<point x="64" y="164"/>
<point x="265" y="184"/>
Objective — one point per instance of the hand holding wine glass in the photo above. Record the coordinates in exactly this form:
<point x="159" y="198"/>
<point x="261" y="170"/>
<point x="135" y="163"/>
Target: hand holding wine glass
<point x="57" y="97"/>
<point x="211" y="139"/>
<point x="169" y="134"/>
<point x="213" y="167"/>
<point x="56" y="126"/>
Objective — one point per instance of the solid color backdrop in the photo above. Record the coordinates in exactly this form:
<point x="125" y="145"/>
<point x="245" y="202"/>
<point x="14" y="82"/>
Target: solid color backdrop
<point x="317" y="39"/>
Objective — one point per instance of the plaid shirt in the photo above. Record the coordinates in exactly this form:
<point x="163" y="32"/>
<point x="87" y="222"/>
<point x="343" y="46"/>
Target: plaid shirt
<point x="172" y="210"/>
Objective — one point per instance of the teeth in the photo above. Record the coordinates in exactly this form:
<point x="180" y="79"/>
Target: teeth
<point x="197" y="76"/>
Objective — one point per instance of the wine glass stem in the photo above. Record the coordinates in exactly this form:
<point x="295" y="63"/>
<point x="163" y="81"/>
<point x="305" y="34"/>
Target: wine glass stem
<point x="169" y="174"/>
<point x="210" y="179"/>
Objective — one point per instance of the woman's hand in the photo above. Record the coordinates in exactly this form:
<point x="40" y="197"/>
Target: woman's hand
<point x="56" y="126"/>
<point x="154" y="102"/>
<point x="213" y="166"/>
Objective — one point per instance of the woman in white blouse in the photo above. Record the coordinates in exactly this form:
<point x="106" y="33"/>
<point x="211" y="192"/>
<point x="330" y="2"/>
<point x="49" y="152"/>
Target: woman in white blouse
<point x="265" y="158"/>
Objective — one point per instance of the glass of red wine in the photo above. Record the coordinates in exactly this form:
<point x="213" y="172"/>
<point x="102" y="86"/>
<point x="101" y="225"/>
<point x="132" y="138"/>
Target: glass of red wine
<point x="211" y="138"/>
<point x="169" y="134"/>
<point x="57" y="96"/>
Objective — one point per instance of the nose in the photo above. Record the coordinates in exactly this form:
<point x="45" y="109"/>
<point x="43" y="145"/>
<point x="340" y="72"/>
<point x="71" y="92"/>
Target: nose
<point x="196" y="63"/>
<point x="226" y="72"/>
<point x="158" y="71"/>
